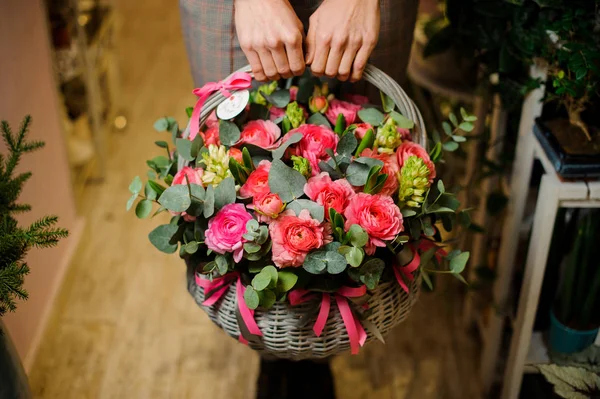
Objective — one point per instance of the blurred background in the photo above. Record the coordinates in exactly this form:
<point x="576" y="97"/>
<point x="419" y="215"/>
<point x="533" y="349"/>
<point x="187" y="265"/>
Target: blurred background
<point x="110" y="317"/>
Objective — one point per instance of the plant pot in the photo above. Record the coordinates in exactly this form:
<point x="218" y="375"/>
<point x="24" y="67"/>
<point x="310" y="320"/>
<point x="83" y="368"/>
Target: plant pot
<point x="567" y="148"/>
<point x="564" y="339"/>
<point x="13" y="381"/>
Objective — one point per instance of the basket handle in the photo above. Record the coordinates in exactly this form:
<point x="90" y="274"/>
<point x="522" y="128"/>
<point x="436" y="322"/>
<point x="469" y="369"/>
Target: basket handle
<point x="371" y="74"/>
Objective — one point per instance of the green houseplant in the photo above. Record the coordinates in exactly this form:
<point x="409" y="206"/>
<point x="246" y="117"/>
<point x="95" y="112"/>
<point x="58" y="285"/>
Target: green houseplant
<point x="576" y="315"/>
<point x="15" y="241"/>
<point x="569" y="131"/>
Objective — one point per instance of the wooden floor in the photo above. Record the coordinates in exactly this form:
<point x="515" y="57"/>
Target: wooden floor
<point x="124" y="325"/>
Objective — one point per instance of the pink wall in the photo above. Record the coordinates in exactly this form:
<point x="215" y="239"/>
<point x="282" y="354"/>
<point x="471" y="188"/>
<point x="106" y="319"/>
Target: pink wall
<point x="27" y="86"/>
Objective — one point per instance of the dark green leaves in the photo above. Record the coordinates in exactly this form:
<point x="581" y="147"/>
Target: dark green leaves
<point x="285" y="181"/>
<point x="279" y="98"/>
<point x="358" y="171"/>
<point x="347" y="145"/>
<point x="372" y="116"/>
<point x="161" y="236"/>
<point x="229" y="133"/>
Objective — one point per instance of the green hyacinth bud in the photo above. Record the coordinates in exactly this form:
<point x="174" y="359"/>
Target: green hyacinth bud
<point x="216" y="161"/>
<point x="388" y="138"/>
<point x="302" y="165"/>
<point x="268" y="89"/>
<point x="295" y="114"/>
<point x="414" y="181"/>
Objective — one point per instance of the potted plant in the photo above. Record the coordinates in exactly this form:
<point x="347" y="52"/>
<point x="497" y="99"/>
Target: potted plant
<point x="569" y="131"/>
<point x="15" y="241"/>
<point x="576" y="315"/>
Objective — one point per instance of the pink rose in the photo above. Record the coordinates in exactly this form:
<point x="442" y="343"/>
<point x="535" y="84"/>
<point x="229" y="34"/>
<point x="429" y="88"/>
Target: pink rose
<point x="357" y="99"/>
<point x="331" y="194"/>
<point x="263" y="134"/>
<point x="276" y="113"/>
<point x="212" y="120"/>
<point x="404" y="134"/>
<point x="361" y="130"/>
<point x="236" y="154"/>
<point x="210" y="136"/>
<point x="258" y="181"/>
<point x="268" y="205"/>
<point x="293" y="237"/>
<point x="390" y="168"/>
<point x="378" y="215"/>
<point x="336" y="107"/>
<point x="312" y="146"/>
<point x="293" y="93"/>
<point x="409" y="148"/>
<point x="226" y="229"/>
<point x="194" y="176"/>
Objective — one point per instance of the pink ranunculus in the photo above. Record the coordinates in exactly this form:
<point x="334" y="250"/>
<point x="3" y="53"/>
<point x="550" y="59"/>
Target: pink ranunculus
<point x="212" y="120"/>
<point x="390" y="168"/>
<point x="312" y="146"/>
<point x="293" y="237"/>
<point x="378" y="215"/>
<point x="357" y="99"/>
<point x="226" y="229"/>
<point x="211" y="136"/>
<point x="336" y="107"/>
<point x="267" y="205"/>
<point x="361" y="130"/>
<point x="236" y="154"/>
<point x="258" y="181"/>
<point x="263" y="134"/>
<point x="194" y="176"/>
<point x="409" y="148"/>
<point x="404" y="134"/>
<point x="331" y="194"/>
<point x="293" y="93"/>
<point x="276" y="113"/>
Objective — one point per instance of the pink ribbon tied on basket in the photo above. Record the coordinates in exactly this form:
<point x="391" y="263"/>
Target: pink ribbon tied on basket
<point x="237" y="81"/>
<point x="405" y="273"/>
<point x="356" y="332"/>
<point x="216" y="288"/>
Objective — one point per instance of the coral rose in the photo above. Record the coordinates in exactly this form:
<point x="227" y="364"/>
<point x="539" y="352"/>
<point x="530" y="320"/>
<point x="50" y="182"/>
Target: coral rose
<point x="378" y="215"/>
<point x="293" y="237"/>
<point x="361" y="130"/>
<point x="312" y="146"/>
<point x="194" y="176"/>
<point x="267" y="206"/>
<point x="263" y="134"/>
<point x="390" y="168"/>
<point x="226" y="229"/>
<point x="331" y="194"/>
<point x="211" y="136"/>
<point x="336" y="107"/>
<point x="407" y="149"/>
<point x="236" y="154"/>
<point x="258" y="181"/>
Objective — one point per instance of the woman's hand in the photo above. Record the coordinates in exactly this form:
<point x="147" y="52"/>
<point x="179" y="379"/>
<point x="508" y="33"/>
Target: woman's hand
<point x="341" y="36"/>
<point x="270" y="35"/>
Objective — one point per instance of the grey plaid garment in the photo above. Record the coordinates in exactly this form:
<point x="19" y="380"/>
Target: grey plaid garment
<point x="214" y="51"/>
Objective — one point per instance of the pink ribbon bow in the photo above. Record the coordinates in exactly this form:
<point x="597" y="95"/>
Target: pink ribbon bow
<point x="216" y="288"/>
<point x="406" y="271"/>
<point x="237" y="81"/>
<point x="356" y="332"/>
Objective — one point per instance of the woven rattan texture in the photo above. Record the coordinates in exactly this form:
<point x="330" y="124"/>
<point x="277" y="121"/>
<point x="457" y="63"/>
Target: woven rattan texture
<point x="285" y="335"/>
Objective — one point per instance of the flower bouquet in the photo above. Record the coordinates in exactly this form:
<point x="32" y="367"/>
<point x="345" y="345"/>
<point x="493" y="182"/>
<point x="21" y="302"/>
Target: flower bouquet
<point x="307" y="221"/>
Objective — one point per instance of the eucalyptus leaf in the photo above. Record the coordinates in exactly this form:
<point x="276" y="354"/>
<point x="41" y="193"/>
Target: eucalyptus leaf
<point x="225" y="193"/>
<point x="286" y="281"/>
<point x="372" y="116"/>
<point x="161" y="236"/>
<point x="136" y="185"/>
<point x="261" y="281"/>
<point x="222" y="264"/>
<point x="229" y="133"/>
<point x="251" y="297"/>
<point x="317" y="211"/>
<point x="209" y="202"/>
<point x="354" y="256"/>
<point x="358" y="170"/>
<point x="191" y="247"/>
<point x="358" y="236"/>
<point x="143" y="209"/>
<point x="347" y="145"/>
<point x="293" y="139"/>
<point x="279" y="98"/>
<point x="176" y="198"/>
<point x="285" y="181"/>
<point x="402" y="121"/>
<point x="184" y="149"/>
<point x="371" y="271"/>
<point x="161" y="125"/>
<point x="131" y="200"/>
<point x="267" y="299"/>
<point x="386" y="102"/>
<point x="318" y="119"/>
<point x="458" y="263"/>
<point x="450" y="146"/>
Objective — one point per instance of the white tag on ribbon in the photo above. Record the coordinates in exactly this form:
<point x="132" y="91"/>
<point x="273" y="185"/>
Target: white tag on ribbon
<point x="234" y="105"/>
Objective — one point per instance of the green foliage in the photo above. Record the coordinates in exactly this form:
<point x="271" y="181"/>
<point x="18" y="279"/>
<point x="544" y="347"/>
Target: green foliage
<point x="571" y="382"/>
<point x="15" y="241"/>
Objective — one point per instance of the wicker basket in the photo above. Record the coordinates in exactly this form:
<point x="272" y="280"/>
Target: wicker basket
<point x="285" y="333"/>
